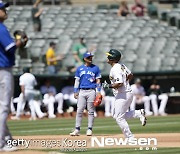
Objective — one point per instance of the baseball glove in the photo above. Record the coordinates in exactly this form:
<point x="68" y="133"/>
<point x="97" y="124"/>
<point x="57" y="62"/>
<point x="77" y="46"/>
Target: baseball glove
<point x="21" y="35"/>
<point x="98" y="100"/>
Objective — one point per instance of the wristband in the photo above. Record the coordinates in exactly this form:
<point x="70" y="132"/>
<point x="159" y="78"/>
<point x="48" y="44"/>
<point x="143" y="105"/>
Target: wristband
<point x="98" y="85"/>
<point x="76" y="90"/>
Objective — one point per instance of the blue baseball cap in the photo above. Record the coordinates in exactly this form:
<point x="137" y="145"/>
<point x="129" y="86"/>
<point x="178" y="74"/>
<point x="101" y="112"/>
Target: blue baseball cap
<point x="3" y="5"/>
<point x="87" y="54"/>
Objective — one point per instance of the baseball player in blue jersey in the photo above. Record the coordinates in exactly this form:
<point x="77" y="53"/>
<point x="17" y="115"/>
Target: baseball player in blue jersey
<point x="7" y="59"/>
<point x="87" y="80"/>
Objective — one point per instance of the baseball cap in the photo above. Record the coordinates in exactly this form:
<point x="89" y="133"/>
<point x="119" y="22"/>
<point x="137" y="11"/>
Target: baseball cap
<point x="87" y="54"/>
<point x="3" y="5"/>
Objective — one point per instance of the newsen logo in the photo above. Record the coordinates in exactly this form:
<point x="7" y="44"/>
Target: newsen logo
<point x="102" y="141"/>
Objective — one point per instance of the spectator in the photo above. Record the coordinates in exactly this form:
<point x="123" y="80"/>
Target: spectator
<point x="155" y="95"/>
<point x="51" y="58"/>
<point x="78" y="50"/>
<point x="48" y="91"/>
<point x="123" y="9"/>
<point x="138" y="9"/>
<point x="36" y="13"/>
<point x="152" y="9"/>
<point x="140" y="97"/>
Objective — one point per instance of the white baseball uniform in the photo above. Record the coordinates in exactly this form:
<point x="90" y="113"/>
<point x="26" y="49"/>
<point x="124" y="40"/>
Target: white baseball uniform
<point x="164" y="100"/>
<point x="49" y="93"/>
<point x="123" y="98"/>
<point x="28" y="80"/>
<point x="139" y="90"/>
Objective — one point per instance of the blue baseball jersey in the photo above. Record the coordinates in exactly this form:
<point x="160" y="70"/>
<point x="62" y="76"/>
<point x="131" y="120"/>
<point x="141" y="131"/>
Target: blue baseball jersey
<point x="7" y="48"/>
<point x="88" y="75"/>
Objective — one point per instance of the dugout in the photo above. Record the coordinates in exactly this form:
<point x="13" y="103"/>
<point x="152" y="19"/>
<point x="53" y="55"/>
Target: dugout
<point x="166" y="80"/>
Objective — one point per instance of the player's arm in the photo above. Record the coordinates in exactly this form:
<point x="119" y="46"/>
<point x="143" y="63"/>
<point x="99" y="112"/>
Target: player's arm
<point x="115" y="85"/>
<point x="130" y="77"/>
<point x="38" y="13"/>
<point x="76" y="87"/>
<point x="98" y="86"/>
<point x="118" y="81"/>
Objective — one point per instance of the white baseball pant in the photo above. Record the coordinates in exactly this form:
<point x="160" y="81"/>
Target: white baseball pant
<point x="164" y="100"/>
<point x="121" y="106"/>
<point x="144" y="99"/>
<point x="109" y="105"/>
<point x="59" y="98"/>
<point x="49" y="101"/>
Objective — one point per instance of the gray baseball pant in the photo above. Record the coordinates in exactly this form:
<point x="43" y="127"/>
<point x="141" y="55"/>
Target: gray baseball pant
<point x="6" y="92"/>
<point x="86" y="97"/>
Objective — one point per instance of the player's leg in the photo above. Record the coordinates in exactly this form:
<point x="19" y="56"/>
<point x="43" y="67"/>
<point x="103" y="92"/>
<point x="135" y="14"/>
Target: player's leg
<point x="29" y="96"/>
<point x="133" y="103"/>
<point x="164" y="100"/>
<point x="136" y="114"/>
<point x="154" y="103"/>
<point x="13" y="111"/>
<point x="32" y="109"/>
<point x="37" y="108"/>
<point x="6" y="91"/>
<point x="120" y="108"/>
<point x="112" y="104"/>
<point x="90" y="107"/>
<point x="59" y="98"/>
<point x="51" y="102"/>
<point x="81" y="105"/>
<point x="20" y="105"/>
<point x="146" y="101"/>
<point x="107" y="103"/>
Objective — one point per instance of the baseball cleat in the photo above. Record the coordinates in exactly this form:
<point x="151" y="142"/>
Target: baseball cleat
<point x="89" y="132"/>
<point x="75" y="133"/>
<point x="15" y="118"/>
<point x="6" y="148"/>
<point x="52" y="116"/>
<point x="163" y="114"/>
<point x="149" y="113"/>
<point x="143" y="117"/>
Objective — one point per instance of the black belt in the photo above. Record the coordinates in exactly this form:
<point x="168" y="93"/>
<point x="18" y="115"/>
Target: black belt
<point x="87" y="88"/>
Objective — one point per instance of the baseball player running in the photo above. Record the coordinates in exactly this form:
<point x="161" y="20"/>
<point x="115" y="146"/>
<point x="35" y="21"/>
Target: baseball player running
<point x="87" y="79"/>
<point x="7" y="58"/>
<point x="119" y="77"/>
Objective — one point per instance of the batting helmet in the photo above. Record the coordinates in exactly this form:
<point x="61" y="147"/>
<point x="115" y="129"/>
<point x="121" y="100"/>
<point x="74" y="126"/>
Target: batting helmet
<point x="114" y="55"/>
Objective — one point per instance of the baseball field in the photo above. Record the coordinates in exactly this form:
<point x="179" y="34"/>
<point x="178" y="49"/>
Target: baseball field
<point x="52" y="136"/>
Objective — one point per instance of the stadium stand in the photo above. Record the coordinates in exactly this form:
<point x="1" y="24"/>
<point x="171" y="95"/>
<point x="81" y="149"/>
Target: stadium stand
<point x="145" y="42"/>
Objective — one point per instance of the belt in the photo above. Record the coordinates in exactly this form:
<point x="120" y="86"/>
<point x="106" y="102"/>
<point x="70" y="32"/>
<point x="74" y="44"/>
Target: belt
<point x="87" y="88"/>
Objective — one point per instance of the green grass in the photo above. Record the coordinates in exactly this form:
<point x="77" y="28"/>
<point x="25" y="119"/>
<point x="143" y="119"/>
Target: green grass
<point x="62" y="126"/>
<point x="123" y="151"/>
